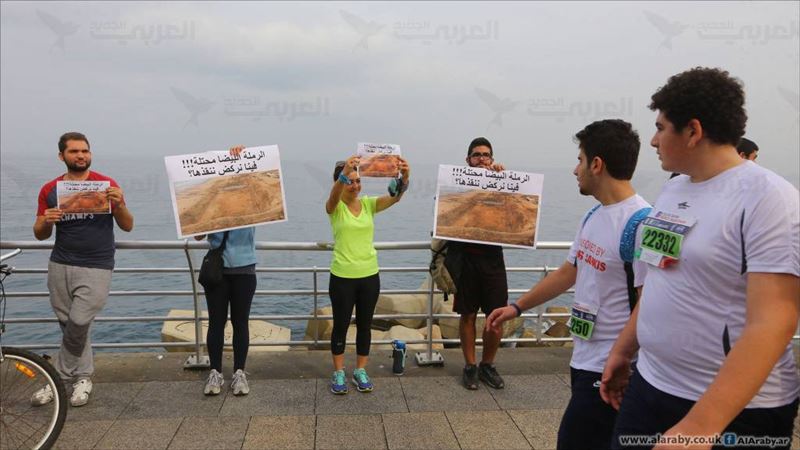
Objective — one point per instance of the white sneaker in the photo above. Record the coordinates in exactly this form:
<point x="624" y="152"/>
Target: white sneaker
<point x="213" y="383"/>
<point x="239" y="384"/>
<point x="80" y="392"/>
<point x="42" y="397"/>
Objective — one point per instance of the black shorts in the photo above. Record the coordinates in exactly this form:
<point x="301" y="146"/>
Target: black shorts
<point x="588" y="422"/>
<point x="646" y="410"/>
<point x="483" y="283"/>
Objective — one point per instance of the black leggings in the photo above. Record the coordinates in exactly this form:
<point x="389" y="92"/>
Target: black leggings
<point x="236" y="290"/>
<point x="346" y="293"/>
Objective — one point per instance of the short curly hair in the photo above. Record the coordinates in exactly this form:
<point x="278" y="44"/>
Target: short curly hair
<point x="709" y="95"/>
<point x="615" y="142"/>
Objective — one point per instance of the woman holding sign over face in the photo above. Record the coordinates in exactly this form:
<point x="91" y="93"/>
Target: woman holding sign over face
<point x="354" y="277"/>
<point x="236" y="289"/>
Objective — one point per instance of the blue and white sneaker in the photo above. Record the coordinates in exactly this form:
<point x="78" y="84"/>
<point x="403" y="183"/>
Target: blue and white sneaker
<point x="338" y="383"/>
<point x="361" y="380"/>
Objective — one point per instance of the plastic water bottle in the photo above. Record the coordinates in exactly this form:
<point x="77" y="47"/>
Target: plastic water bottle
<point x="398" y="356"/>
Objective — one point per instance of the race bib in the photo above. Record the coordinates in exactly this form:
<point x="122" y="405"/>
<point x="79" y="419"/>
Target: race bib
<point x="581" y="322"/>
<point x="662" y="238"/>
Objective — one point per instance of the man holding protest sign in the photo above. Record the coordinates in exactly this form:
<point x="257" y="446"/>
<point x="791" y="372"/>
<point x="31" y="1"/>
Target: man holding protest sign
<point x="79" y="271"/>
<point x="482" y="285"/>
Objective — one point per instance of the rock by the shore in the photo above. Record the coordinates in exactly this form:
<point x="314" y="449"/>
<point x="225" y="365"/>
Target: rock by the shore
<point x="184" y="331"/>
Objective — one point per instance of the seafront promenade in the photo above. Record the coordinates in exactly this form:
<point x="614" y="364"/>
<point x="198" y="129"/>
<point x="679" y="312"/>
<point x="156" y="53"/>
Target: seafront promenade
<point x="147" y="401"/>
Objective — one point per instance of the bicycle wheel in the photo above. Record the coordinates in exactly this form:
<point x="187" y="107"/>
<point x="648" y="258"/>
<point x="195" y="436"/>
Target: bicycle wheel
<point x="22" y="425"/>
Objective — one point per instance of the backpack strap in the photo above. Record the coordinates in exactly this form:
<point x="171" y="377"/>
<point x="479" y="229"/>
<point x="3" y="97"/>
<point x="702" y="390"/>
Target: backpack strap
<point x="583" y="224"/>
<point x="589" y="214"/>
<point x="627" y="244"/>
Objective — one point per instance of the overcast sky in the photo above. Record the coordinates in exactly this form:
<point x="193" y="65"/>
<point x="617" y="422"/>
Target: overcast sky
<point x="160" y="78"/>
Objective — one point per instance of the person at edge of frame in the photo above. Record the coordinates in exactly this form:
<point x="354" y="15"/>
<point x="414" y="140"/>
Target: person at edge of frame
<point x="718" y="310"/>
<point x="80" y="266"/>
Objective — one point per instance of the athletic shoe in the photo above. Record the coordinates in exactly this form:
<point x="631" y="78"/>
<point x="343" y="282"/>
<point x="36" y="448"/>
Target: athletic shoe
<point x="361" y="380"/>
<point x="470" y="377"/>
<point x="42" y="397"/>
<point x="488" y="374"/>
<point x="213" y="383"/>
<point x="80" y="392"/>
<point x="239" y="384"/>
<point x="338" y="383"/>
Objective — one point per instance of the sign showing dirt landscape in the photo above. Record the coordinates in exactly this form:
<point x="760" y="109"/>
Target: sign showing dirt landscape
<point x="378" y="160"/>
<point x="487" y="207"/>
<point x="83" y="197"/>
<point x="215" y="191"/>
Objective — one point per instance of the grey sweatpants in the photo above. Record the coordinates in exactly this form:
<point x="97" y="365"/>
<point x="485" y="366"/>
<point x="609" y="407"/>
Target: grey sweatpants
<point x="77" y="294"/>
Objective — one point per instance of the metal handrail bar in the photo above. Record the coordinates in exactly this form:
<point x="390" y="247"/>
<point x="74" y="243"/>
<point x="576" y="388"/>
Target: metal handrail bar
<point x="188" y="245"/>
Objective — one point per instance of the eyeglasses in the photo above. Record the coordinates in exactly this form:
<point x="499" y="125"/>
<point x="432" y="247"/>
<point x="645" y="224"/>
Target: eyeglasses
<point x="481" y="155"/>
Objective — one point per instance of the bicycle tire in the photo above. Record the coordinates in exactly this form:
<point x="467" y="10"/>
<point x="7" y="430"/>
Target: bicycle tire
<point x="21" y="373"/>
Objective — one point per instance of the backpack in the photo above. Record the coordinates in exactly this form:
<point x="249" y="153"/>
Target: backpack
<point x="445" y="267"/>
<point x="627" y="246"/>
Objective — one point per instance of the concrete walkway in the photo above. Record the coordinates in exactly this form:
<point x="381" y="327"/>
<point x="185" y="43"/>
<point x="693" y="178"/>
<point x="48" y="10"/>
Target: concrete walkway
<point x="144" y="401"/>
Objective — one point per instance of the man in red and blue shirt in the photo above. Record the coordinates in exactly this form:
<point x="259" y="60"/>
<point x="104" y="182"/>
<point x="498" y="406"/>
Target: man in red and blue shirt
<point x="79" y="271"/>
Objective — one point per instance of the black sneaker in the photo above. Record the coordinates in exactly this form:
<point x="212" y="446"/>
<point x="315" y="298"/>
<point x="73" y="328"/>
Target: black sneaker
<point x="470" y="377"/>
<point x="488" y="374"/>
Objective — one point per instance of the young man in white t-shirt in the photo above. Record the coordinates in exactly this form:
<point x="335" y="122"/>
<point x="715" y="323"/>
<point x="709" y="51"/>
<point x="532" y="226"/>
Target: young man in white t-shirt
<point x="722" y="298"/>
<point x="605" y="278"/>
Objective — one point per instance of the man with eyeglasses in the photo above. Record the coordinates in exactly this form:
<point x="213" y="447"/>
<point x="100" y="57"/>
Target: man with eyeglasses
<point x="481" y="285"/>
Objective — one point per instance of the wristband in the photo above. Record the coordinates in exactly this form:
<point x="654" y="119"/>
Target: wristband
<point x="519" y="311"/>
<point x="343" y="179"/>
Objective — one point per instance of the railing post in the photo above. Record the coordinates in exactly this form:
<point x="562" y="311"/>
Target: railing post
<point x="316" y="302"/>
<point x="430" y="358"/>
<point x="196" y="361"/>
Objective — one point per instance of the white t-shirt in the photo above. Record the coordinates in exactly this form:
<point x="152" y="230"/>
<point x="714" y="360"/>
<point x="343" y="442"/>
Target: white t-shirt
<point x="601" y="282"/>
<point x="748" y="220"/>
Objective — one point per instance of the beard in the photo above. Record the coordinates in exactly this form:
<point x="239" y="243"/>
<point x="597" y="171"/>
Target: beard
<point x="76" y="168"/>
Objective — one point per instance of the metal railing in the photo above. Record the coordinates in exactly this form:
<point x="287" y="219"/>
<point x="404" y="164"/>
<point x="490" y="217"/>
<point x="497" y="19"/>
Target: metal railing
<point x="187" y="246"/>
<point x="199" y="360"/>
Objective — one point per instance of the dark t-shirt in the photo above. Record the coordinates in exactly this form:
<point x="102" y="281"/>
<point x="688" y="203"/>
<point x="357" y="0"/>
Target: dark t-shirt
<point x="85" y="240"/>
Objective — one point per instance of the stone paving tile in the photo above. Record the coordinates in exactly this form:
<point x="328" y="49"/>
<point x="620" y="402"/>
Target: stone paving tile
<point x="445" y="394"/>
<point x="173" y="399"/>
<point x="532" y="392"/>
<point x="540" y="427"/>
<point x="82" y="434"/>
<point x="428" y="430"/>
<point x="280" y="432"/>
<point x="386" y="398"/>
<point x="107" y="401"/>
<point x="565" y="377"/>
<point x="351" y="432"/>
<point x="471" y="429"/>
<point x="273" y="397"/>
<point x="211" y="432"/>
<point x="140" y="434"/>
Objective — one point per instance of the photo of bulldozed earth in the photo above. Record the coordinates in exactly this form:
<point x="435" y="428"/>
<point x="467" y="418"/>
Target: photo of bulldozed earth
<point x="229" y="202"/>
<point x="379" y="165"/>
<point x="487" y="217"/>
<point x="89" y="202"/>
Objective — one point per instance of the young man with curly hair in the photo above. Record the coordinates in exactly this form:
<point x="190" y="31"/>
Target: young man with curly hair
<point x="721" y="300"/>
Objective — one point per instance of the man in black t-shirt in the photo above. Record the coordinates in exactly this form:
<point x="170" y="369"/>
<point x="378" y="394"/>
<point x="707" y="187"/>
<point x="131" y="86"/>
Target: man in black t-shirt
<point x="482" y="285"/>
